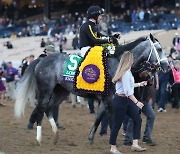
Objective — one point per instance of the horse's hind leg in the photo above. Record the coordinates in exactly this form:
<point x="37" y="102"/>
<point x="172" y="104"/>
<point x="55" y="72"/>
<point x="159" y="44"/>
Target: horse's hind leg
<point x="99" y="116"/>
<point x="42" y="104"/>
<point x="40" y="115"/>
<point x="32" y="119"/>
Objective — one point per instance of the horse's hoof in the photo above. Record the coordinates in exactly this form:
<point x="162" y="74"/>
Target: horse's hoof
<point x="91" y="142"/>
<point x="38" y="143"/>
<point x="90" y="138"/>
<point x="30" y="126"/>
<point x="55" y="138"/>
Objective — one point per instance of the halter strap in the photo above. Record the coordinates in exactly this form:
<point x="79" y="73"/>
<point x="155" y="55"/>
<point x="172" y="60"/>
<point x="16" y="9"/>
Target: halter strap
<point x="156" y="53"/>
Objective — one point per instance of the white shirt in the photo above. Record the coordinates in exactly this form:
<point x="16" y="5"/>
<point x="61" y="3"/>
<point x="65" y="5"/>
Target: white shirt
<point x="126" y="84"/>
<point x="84" y="50"/>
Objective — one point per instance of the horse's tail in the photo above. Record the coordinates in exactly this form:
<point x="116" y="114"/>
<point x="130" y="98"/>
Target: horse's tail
<point x="26" y="89"/>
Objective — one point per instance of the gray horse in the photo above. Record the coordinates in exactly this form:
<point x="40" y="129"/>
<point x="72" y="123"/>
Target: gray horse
<point x="44" y="79"/>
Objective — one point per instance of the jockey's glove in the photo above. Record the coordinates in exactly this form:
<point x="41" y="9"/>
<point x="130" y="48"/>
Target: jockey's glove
<point x="117" y="35"/>
<point x="113" y="40"/>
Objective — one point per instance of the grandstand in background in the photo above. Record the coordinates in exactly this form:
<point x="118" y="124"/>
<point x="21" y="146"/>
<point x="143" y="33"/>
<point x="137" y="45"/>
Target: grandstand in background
<point x="25" y="8"/>
<point x="20" y="18"/>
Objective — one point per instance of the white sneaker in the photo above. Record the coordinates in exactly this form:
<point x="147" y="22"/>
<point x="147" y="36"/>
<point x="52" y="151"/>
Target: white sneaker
<point x="137" y="148"/>
<point x="115" y="152"/>
<point x="160" y="110"/>
<point x="164" y="110"/>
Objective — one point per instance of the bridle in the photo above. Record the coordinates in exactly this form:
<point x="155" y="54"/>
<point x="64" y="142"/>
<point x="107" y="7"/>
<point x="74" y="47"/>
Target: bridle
<point x="147" y="65"/>
<point x="153" y="48"/>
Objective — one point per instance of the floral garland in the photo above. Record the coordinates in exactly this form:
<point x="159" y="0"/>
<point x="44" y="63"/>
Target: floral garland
<point x="95" y="56"/>
<point x="110" y="48"/>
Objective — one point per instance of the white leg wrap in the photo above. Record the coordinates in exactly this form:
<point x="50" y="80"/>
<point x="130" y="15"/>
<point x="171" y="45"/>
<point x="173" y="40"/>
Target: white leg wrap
<point x="39" y="131"/>
<point x="53" y="125"/>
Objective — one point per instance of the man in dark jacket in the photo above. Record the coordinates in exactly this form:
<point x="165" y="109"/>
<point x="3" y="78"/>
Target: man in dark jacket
<point x="176" y="40"/>
<point x="89" y="33"/>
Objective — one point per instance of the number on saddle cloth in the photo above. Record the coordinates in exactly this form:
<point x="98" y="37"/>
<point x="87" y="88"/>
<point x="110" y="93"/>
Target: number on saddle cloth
<point x="71" y="67"/>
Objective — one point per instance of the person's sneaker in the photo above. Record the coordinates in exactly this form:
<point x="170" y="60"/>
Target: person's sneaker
<point x="149" y="142"/>
<point x="160" y="110"/>
<point x="127" y="143"/>
<point x="103" y="134"/>
<point x="137" y="148"/>
<point x="92" y="112"/>
<point x="164" y="110"/>
<point x="115" y="152"/>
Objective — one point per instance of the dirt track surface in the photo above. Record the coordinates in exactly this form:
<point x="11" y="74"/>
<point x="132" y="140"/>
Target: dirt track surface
<point x="16" y="139"/>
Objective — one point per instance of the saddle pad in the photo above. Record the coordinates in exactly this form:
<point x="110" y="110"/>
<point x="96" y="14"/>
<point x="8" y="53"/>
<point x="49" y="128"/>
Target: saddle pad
<point x="71" y="67"/>
<point x="92" y="75"/>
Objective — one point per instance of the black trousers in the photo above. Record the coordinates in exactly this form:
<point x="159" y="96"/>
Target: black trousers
<point x="123" y="106"/>
<point x="176" y="95"/>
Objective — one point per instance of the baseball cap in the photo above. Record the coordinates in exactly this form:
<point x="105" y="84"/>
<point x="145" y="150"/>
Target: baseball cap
<point x="49" y="48"/>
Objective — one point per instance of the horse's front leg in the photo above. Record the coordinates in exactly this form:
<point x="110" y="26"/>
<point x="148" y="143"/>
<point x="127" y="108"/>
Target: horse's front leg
<point x="54" y="129"/>
<point x="100" y="113"/>
<point x="109" y="113"/>
<point x="49" y="113"/>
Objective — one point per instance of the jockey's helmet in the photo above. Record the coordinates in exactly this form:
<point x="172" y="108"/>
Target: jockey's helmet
<point x="94" y="12"/>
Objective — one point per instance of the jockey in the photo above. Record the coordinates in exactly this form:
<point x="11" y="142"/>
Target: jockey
<point x="89" y="34"/>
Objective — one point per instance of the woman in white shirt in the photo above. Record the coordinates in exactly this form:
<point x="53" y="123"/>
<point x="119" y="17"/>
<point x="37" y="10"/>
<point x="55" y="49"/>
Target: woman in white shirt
<point x="125" y="103"/>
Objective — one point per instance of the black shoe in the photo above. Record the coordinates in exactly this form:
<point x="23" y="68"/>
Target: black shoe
<point x="149" y="142"/>
<point x="127" y="143"/>
<point x="30" y="126"/>
<point x="60" y="127"/>
<point x="103" y="134"/>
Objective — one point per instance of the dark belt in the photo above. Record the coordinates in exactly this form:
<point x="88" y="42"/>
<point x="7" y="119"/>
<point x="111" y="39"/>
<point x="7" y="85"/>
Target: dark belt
<point x="122" y="95"/>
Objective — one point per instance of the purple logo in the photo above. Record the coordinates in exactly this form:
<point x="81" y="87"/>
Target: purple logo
<point x="90" y="73"/>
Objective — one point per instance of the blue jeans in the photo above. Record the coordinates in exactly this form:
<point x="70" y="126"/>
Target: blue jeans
<point x="150" y="117"/>
<point x="162" y="94"/>
<point x="125" y="123"/>
<point x="123" y="106"/>
<point x="91" y="105"/>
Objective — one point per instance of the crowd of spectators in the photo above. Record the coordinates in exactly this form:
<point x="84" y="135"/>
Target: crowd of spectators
<point x="69" y="23"/>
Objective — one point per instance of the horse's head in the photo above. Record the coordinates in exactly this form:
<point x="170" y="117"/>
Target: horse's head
<point x="150" y="55"/>
<point x="158" y="54"/>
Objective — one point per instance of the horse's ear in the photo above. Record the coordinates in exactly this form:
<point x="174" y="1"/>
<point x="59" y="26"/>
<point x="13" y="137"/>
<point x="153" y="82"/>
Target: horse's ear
<point x="152" y="37"/>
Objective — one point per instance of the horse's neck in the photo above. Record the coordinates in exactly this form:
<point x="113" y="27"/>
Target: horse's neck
<point x="140" y="53"/>
<point x="138" y="49"/>
<point x="129" y="46"/>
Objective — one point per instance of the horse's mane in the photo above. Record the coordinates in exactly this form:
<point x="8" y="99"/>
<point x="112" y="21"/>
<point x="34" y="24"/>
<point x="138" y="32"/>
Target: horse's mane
<point x="129" y="46"/>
